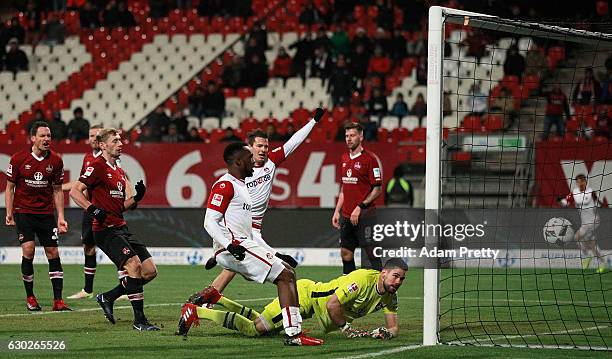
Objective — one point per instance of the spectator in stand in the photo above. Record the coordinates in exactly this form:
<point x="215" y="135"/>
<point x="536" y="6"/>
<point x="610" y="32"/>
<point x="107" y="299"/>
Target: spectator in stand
<point x="357" y="107"/>
<point x="421" y="71"/>
<point x="417" y="47"/>
<point x="147" y="135"/>
<point x="535" y="62"/>
<point x="340" y="42"/>
<point x="256" y="74"/>
<point x="447" y="106"/>
<point x="252" y="48"/>
<point x="193" y="136"/>
<point x="514" y="65"/>
<point x="58" y="127"/>
<point x="15" y="60"/>
<point x="88" y="16"/>
<point x="321" y="63"/>
<point x="14" y="31"/>
<point x="400" y="107"/>
<point x="158" y="122"/>
<point x="608" y="63"/>
<point x="195" y="101"/>
<point x="606" y="89"/>
<point x="260" y="34"/>
<point x="361" y="37"/>
<point x="160" y="8"/>
<point x="273" y="136"/>
<point x="39" y="115"/>
<point x="381" y="39"/>
<point x="213" y="101"/>
<point x="173" y="135"/>
<point x="603" y="125"/>
<point x="180" y="121"/>
<point x="230" y="136"/>
<point x="476" y="43"/>
<point x="477" y="101"/>
<point x="419" y="108"/>
<point x="233" y="74"/>
<point x="322" y="40"/>
<point x="340" y="82"/>
<point x="310" y="15"/>
<point x="78" y="127"/>
<point x="282" y="65"/>
<point x="380" y="64"/>
<point x="556" y="106"/>
<point x="398" y="46"/>
<point x="587" y="90"/>
<point x="304" y="51"/>
<point x="399" y="191"/>
<point x="124" y="17"/>
<point x="360" y="60"/>
<point x="504" y="106"/>
<point x="110" y="15"/>
<point x="377" y="105"/>
<point x="33" y="20"/>
<point x="290" y="132"/>
<point x="54" y="31"/>
<point x="385" y="18"/>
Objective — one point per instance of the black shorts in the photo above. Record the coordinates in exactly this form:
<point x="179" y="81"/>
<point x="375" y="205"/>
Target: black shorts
<point x="352" y="236"/>
<point x="42" y="226"/>
<point x="119" y="246"/>
<point x="87" y="229"/>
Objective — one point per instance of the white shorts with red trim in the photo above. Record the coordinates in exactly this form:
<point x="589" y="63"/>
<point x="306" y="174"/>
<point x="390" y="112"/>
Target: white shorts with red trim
<point x="258" y="238"/>
<point x="259" y="264"/>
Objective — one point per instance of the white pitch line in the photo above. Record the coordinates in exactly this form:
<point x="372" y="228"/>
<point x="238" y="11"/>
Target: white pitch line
<point x="115" y="308"/>
<point x="384" y="352"/>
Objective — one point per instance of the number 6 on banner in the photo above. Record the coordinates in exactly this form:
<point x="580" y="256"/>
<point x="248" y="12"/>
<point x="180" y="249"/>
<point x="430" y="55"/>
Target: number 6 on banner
<point x="178" y="178"/>
<point x="327" y="188"/>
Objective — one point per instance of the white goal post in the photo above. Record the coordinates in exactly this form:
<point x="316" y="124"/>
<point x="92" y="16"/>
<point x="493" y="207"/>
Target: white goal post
<point x="435" y="75"/>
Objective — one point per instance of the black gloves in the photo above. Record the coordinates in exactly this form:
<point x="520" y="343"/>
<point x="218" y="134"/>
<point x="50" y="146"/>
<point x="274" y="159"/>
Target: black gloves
<point x="319" y="112"/>
<point x="98" y="213"/>
<point x="141" y="189"/>
<point x="210" y="263"/>
<point x="287" y="259"/>
<point x="237" y="251"/>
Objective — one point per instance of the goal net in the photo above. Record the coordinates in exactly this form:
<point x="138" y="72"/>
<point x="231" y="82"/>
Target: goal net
<point x="518" y="142"/>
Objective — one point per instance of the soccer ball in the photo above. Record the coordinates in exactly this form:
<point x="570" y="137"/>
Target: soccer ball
<point x="558" y="231"/>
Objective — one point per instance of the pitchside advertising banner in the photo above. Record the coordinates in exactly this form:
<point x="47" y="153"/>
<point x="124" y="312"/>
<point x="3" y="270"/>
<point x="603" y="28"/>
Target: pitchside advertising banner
<point x="508" y="238"/>
<point x="180" y="175"/>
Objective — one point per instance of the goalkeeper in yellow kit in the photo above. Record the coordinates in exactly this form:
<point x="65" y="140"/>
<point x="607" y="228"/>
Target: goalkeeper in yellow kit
<point x="335" y="304"/>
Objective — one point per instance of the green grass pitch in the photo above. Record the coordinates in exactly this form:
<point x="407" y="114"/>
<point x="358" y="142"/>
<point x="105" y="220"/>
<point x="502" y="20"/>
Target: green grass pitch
<point x="87" y="334"/>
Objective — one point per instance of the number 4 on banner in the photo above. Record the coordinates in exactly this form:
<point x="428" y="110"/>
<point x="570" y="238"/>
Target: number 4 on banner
<point x="327" y="188"/>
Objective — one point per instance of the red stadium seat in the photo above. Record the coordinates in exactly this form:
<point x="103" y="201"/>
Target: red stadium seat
<point x="472" y="122"/>
<point x="419" y="134"/>
<point x="493" y="122"/>
<point x="245" y="92"/>
<point x="400" y="134"/>
<point x="419" y="156"/>
<point x="382" y="135"/>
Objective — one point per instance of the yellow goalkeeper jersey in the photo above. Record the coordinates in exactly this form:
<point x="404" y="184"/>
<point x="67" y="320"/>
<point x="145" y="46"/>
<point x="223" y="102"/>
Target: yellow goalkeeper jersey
<point x="356" y="292"/>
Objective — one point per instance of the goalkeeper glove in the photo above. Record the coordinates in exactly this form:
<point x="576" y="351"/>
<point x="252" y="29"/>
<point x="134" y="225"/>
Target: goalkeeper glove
<point x="319" y="112"/>
<point x="287" y="259"/>
<point x="381" y="333"/>
<point x="141" y="189"/>
<point x="236" y="250"/>
<point x="351" y="332"/>
<point x="98" y="213"/>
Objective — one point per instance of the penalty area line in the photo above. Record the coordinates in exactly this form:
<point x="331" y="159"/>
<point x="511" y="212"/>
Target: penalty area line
<point x="120" y="307"/>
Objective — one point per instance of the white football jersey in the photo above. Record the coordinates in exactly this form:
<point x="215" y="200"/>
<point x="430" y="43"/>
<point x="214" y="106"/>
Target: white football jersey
<point x="229" y="197"/>
<point x="260" y="184"/>
<point x="586" y="203"/>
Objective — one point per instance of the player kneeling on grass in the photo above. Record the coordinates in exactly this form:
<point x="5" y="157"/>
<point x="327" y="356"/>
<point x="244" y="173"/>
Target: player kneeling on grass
<point x="335" y="304"/>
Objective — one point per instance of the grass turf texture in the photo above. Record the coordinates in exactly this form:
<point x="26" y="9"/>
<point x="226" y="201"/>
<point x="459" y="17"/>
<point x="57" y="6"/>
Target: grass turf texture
<point x="87" y="333"/>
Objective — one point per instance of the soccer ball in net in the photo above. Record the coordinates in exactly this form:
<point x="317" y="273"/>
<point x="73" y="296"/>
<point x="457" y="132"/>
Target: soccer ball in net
<point x="558" y="231"/>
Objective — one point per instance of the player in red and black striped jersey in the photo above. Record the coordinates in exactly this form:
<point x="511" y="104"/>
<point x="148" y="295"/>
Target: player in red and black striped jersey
<point x="106" y="184"/>
<point x="361" y="185"/>
<point x="33" y="190"/>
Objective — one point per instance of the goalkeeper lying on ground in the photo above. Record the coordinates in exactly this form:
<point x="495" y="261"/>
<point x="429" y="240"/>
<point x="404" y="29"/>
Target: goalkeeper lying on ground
<point x="335" y="304"/>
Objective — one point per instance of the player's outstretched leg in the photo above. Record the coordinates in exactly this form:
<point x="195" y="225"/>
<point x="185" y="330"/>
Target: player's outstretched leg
<point x="56" y="275"/>
<point x="210" y="295"/>
<point x="190" y="315"/>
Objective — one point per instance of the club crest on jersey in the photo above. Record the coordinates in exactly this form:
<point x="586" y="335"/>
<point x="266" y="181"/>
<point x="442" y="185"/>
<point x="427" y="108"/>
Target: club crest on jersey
<point x="216" y="200"/>
<point x="21" y="237"/>
<point x="38" y="176"/>
<point x="119" y="186"/>
<point x="266" y="170"/>
<point x="357" y="166"/>
<point x="353" y="287"/>
<point x="349" y="173"/>
<point x="269" y="255"/>
<point x="49" y="169"/>
<point x="126" y="251"/>
<point x="379" y="306"/>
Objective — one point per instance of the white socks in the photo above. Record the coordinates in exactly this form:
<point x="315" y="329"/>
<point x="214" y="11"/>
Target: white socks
<point x="292" y="321"/>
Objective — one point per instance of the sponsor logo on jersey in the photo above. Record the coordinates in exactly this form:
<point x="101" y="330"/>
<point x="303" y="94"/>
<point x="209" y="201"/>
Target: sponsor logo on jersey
<point x="49" y="169"/>
<point x="353" y="287"/>
<point x="38" y="176"/>
<point x="256" y="182"/>
<point x="357" y="166"/>
<point x="246" y="206"/>
<point x="216" y="200"/>
<point x="376" y="172"/>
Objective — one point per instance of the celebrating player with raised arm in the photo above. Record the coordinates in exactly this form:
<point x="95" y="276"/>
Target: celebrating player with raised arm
<point x="106" y="183"/>
<point x="33" y="188"/>
<point x="259" y="186"/>
<point x="585" y="200"/>
<point x="229" y="222"/>
<point x="335" y="304"/>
